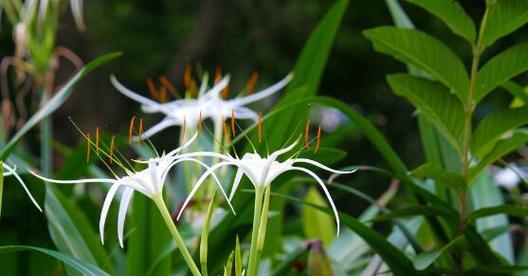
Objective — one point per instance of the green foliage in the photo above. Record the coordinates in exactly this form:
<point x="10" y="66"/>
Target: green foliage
<point x="316" y="224"/>
<point x="504" y="17"/>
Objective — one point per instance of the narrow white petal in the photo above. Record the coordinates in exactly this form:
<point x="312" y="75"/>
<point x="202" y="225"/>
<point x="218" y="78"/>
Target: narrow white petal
<point x="106" y="207"/>
<point x="188" y="143"/>
<point x="77" y="11"/>
<point x="203" y="86"/>
<point x="241" y="112"/>
<point x="317" y="164"/>
<point x="123" y="207"/>
<point x="199" y="183"/>
<point x="276" y="154"/>
<point x="262" y="94"/>
<point x="325" y="190"/>
<point x="74" y="181"/>
<point x="238" y="178"/>
<point x="12" y="172"/>
<point x="204" y="154"/>
<point x="132" y="95"/>
<point x="163" y="124"/>
<point x="214" y="93"/>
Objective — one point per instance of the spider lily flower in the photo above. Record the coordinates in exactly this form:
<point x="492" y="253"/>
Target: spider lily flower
<point x="209" y="104"/>
<point x="149" y="182"/>
<point x="261" y="171"/>
<point x="8" y="171"/>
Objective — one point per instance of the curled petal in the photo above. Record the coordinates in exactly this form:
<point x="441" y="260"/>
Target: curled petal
<point x="134" y="96"/>
<point x="106" y="207"/>
<point x="238" y="178"/>
<point x="123" y="207"/>
<point x="262" y="94"/>
<point x="319" y="165"/>
<point x="325" y="190"/>
<point x="165" y="123"/>
<point x="277" y="153"/>
<point x="75" y="181"/>
<point x="217" y="89"/>
<point x="241" y="112"/>
<point x="184" y="146"/>
<point x="11" y="171"/>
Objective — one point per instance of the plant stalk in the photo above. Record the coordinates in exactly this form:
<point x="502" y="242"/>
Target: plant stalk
<point x="187" y="257"/>
<point x="255" y="234"/>
<point x="46" y="137"/>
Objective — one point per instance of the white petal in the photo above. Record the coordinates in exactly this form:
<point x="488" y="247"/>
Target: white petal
<point x="74" y="181"/>
<point x="214" y="93"/>
<point x="325" y="190"/>
<point x="11" y="171"/>
<point x="199" y="183"/>
<point x="77" y="11"/>
<point x="106" y="207"/>
<point x="244" y="113"/>
<point x="276" y="154"/>
<point x="132" y="95"/>
<point x="238" y="178"/>
<point x="123" y="207"/>
<point x="188" y="143"/>
<point x="203" y="86"/>
<point x="317" y="164"/>
<point x="262" y="94"/>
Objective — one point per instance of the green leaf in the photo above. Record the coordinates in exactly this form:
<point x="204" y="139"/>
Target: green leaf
<point x="521" y="98"/>
<point x="504" y="17"/>
<point x="71" y="231"/>
<point x="495" y="126"/>
<point x="1" y="186"/>
<point x="433" y="101"/>
<point x="393" y="257"/>
<point x="426" y="259"/>
<point x="518" y="139"/>
<point x="511" y="210"/>
<point x="501" y="68"/>
<point x="449" y="179"/>
<point x="496" y="270"/>
<point x="317" y="224"/>
<point x="238" y="259"/>
<point x="55" y="102"/>
<point x="494" y="232"/>
<point x="423" y="51"/>
<point x="82" y="267"/>
<point x="412" y="211"/>
<point x="452" y="14"/>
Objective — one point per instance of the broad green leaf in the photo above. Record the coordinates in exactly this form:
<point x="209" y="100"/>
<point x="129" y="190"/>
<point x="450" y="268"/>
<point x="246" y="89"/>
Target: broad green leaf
<point x="449" y="179"/>
<point x="412" y="211"/>
<point x="80" y="266"/>
<point x="496" y="270"/>
<point x="504" y="17"/>
<point x="55" y="102"/>
<point x="485" y="194"/>
<point x="434" y="101"/>
<point x="518" y="139"/>
<point x="494" y="126"/>
<point x="511" y="210"/>
<point x="426" y="259"/>
<point x="393" y="257"/>
<point x="501" y="68"/>
<point x="317" y="224"/>
<point x="481" y="251"/>
<point x="521" y="97"/>
<point x="71" y="231"/>
<point x="425" y="52"/>
<point x="452" y="14"/>
<point x="491" y="233"/>
<point x="238" y="259"/>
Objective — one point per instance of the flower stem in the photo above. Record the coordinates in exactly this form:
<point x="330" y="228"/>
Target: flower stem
<point x="253" y="260"/>
<point x="46" y="138"/>
<point x="176" y="235"/>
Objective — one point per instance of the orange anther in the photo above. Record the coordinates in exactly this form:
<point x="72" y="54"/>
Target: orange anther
<point x="187" y="76"/>
<point x="260" y="127"/>
<point x="88" y="148"/>
<point x="200" y="122"/>
<point x="140" y="131"/>
<point x="218" y="75"/>
<point x="162" y="96"/>
<point x="193" y="89"/>
<point x="318" y="141"/>
<point x="233" y="130"/>
<point x="131" y="129"/>
<point x="112" y="149"/>
<point x="306" y="134"/>
<point x="152" y="89"/>
<point x="226" y="130"/>
<point x="225" y="92"/>
<point x="252" y="82"/>
<point x="97" y="140"/>
<point x="167" y="84"/>
<point x="183" y="129"/>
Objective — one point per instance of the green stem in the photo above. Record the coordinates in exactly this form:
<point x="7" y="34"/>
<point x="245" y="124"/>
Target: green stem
<point x="264" y="220"/>
<point x="253" y="260"/>
<point x="46" y="139"/>
<point x="205" y="234"/>
<point x="176" y="235"/>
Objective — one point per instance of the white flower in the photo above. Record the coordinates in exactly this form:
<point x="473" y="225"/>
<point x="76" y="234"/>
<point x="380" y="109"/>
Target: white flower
<point x="149" y="182"/>
<point x="261" y="171"/>
<point x="12" y="171"/>
<point x="209" y="104"/>
<point x="507" y="177"/>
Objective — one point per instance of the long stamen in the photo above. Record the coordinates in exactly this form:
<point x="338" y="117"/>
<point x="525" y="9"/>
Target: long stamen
<point x="140" y="131"/>
<point x="226" y="130"/>
<point x="97" y="140"/>
<point x="88" y="148"/>
<point x="306" y="134"/>
<point x="184" y="127"/>
<point x="112" y="142"/>
<point x="218" y="75"/>
<point x="131" y="130"/>
<point x="163" y="94"/>
<point x="167" y="84"/>
<point x="225" y="92"/>
<point x="252" y="82"/>
<point x="260" y="127"/>
<point x="152" y="89"/>
<point x="233" y="130"/>
<point x="318" y="141"/>
<point x="200" y="122"/>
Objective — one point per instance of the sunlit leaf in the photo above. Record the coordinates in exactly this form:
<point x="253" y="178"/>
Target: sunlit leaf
<point x="317" y="224"/>
<point x="425" y="52"/>
<point x="452" y="14"/>
<point x="434" y="101"/>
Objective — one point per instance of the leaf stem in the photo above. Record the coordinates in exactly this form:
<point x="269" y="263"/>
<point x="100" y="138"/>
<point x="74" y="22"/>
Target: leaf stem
<point x="257" y="213"/>
<point x="176" y="235"/>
